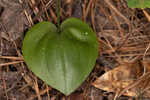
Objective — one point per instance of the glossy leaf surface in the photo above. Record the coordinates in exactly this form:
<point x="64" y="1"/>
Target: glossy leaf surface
<point x="139" y="3"/>
<point x="63" y="60"/>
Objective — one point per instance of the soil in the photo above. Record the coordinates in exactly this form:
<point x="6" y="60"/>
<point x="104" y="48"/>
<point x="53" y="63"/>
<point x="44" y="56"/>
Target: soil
<point x="123" y="35"/>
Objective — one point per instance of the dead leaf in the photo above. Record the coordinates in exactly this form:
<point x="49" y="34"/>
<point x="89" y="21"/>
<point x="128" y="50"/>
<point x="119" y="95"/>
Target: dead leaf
<point x="139" y="88"/>
<point x="120" y="78"/>
<point x="12" y="20"/>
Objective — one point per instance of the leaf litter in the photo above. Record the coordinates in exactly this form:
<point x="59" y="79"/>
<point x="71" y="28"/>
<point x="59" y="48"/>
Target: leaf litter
<point x="128" y="79"/>
<point x="123" y="33"/>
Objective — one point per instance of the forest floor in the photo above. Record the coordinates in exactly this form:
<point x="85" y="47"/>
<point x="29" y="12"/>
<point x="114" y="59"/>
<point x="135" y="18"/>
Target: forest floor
<point x="123" y="34"/>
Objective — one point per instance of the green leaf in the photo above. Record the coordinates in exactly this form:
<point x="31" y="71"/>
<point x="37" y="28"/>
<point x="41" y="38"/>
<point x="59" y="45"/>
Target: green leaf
<point x="139" y="3"/>
<point x="63" y="60"/>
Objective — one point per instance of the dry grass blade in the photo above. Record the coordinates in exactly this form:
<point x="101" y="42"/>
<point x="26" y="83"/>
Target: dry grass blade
<point x="10" y="63"/>
<point x="47" y="6"/>
<point x="41" y="92"/>
<point x="36" y="87"/>
<point x="147" y="15"/>
<point x="11" y="58"/>
<point x="146" y="50"/>
<point x="86" y="11"/>
<point x="48" y="92"/>
<point x="27" y="16"/>
<point x="92" y="16"/>
<point x="49" y="3"/>
<point x="4" y="86"/>
<point x="117" y="12"/>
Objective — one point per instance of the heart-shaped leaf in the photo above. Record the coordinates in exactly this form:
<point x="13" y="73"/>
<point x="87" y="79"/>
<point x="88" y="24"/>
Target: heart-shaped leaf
<point x="139" y="3"/>
<point x="61" y="59"/>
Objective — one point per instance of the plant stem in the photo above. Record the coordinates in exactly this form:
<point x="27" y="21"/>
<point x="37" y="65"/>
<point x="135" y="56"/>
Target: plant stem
<point x="58" y="13"/>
